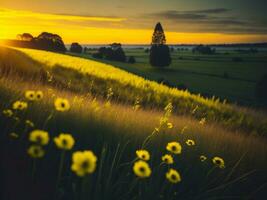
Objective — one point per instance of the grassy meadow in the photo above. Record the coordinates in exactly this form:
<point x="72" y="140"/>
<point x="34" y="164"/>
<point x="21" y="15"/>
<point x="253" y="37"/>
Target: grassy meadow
<point x="211" y="75"/>
<point x="113" y="113"/>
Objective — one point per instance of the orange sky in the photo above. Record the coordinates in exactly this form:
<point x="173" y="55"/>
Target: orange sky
<point x="102" y="30"/>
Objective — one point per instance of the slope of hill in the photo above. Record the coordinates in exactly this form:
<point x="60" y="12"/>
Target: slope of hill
<point x="105" y="122"/>
<point x="86" y="76"/>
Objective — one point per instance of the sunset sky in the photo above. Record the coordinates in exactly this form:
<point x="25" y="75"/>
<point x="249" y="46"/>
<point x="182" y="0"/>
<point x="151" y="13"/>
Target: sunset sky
<point x="133" y="21"/>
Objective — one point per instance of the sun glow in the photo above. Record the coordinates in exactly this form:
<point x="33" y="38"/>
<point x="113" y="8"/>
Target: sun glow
<point x="101" y="30"/>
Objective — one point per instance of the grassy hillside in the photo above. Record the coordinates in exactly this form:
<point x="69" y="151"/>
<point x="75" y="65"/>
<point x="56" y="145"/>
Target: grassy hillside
<point x="205" y="74"/>
<point x="87" y="76"/>
<point x="114" y="133"/>
<point x="108" y="125"/>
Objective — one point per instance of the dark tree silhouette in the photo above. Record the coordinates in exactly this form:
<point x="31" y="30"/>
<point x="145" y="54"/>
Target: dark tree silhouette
<point x="44" y="41"/>
<point x="50" y="41"/>
<point x="76" y="48"/>
<point x="159" y="51"/>
<point x="25" y="37"/>
<point x="114" y="52"/>
<point x="158" y="37"/>
<point x="131" y="60"/>
<point x="203" y="49"/>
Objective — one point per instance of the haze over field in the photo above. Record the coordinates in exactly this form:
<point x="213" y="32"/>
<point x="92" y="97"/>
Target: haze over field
<point x="131" y="22"/>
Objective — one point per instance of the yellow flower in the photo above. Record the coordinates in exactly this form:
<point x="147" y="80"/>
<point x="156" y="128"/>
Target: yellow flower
<point x="20" y="105"/>
<point x="174" y="147"/>
<point x="62" y="104"/>
<point x="143" y="154"/>
<point x="107" y="104"/>
<point x="190" y="142"/>
<point x="39" y="136"/>
<point x="169" y="125"/>
<point x="167" y="158"/>
<point x="83" y="162"/>
<point x="30" y="95"/>
<point x="36" y="151"/>
<point x="8" y="112"/>
<point x="39" y="95"/>
<point x="202" y="158"/>
<point x="173" y="176"/>
<point x="64" y="141"/>
<point x="29" y="123"/>
<point x="141" y="169"/>
<point x="219" y="162"/>
<point x="202" y="121"/>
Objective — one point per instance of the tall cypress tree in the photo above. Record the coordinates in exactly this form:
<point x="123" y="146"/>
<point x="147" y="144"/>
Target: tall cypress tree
<point x="159" y="51"/>
<point x="158" y="37"/>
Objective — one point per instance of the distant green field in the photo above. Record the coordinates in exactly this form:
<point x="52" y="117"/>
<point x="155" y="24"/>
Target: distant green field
<point x="205" y="73"/>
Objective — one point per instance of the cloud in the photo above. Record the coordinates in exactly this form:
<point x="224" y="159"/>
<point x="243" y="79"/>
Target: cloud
<point x="210" y="11"/>
<point x="9" y="13"/>
<point x="217" y="19"/>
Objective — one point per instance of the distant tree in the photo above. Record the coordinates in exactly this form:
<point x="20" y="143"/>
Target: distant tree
<point x="261" y="88"/>
<point x="76" y="48"/>
<point x="85" y="49"/>
<point x="203" y="49"/>
<point x="131" y="60"/>
<point x="25" y="37"/>
<point x="158" y="37"/>
<point x="159" y="51"/>
<point x="50" y="41"/>
<point x="119" y="55"/>
<point x="160" y="56"/>
<point x="114" y="52"/>
<point x="115" y="46"/>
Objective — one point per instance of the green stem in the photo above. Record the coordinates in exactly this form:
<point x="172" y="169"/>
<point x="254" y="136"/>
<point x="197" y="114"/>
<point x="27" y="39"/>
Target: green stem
<point x="62" y="157"/>
<point x="48" y="119"/>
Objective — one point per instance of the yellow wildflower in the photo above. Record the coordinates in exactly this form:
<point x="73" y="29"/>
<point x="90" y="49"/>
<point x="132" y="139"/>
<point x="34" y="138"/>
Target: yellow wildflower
<point x="29" y="123"/>
<point x="64" y="141"/>
<point x="39" y="95"/>
<point x="8" y="112"/>
<point x="202" y="158"/>
<point x="20" y="105"/>
<point x="39" y="136"/>
<point x="30" y="95"/>
<point x="202" y="121"/>
<point x="107" y="104"/>
<point x="190" y="142"/>
<point x="83" y="162"/>
<point x="173" y="176"/>
<point x="143" y="154"/>
<point x="169" y="125"/>
<point x="62" y="104"/>
<point x="141" y="169"/>
<point x="219" y="162"/>
<point x="36" y="151"/>
<point x="167" y="158"/>
<point x="174" y="147"/>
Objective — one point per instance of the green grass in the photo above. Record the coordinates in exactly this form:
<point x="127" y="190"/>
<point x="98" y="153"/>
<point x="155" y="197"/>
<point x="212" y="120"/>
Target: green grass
<point x="114" y="134"/>
<point x="88" y="76"/>
<point x="204" y="73"/>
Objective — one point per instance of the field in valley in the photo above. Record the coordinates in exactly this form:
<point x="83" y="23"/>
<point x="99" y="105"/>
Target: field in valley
<point x="228" y="74"/>
<point x="114" y="113"/>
